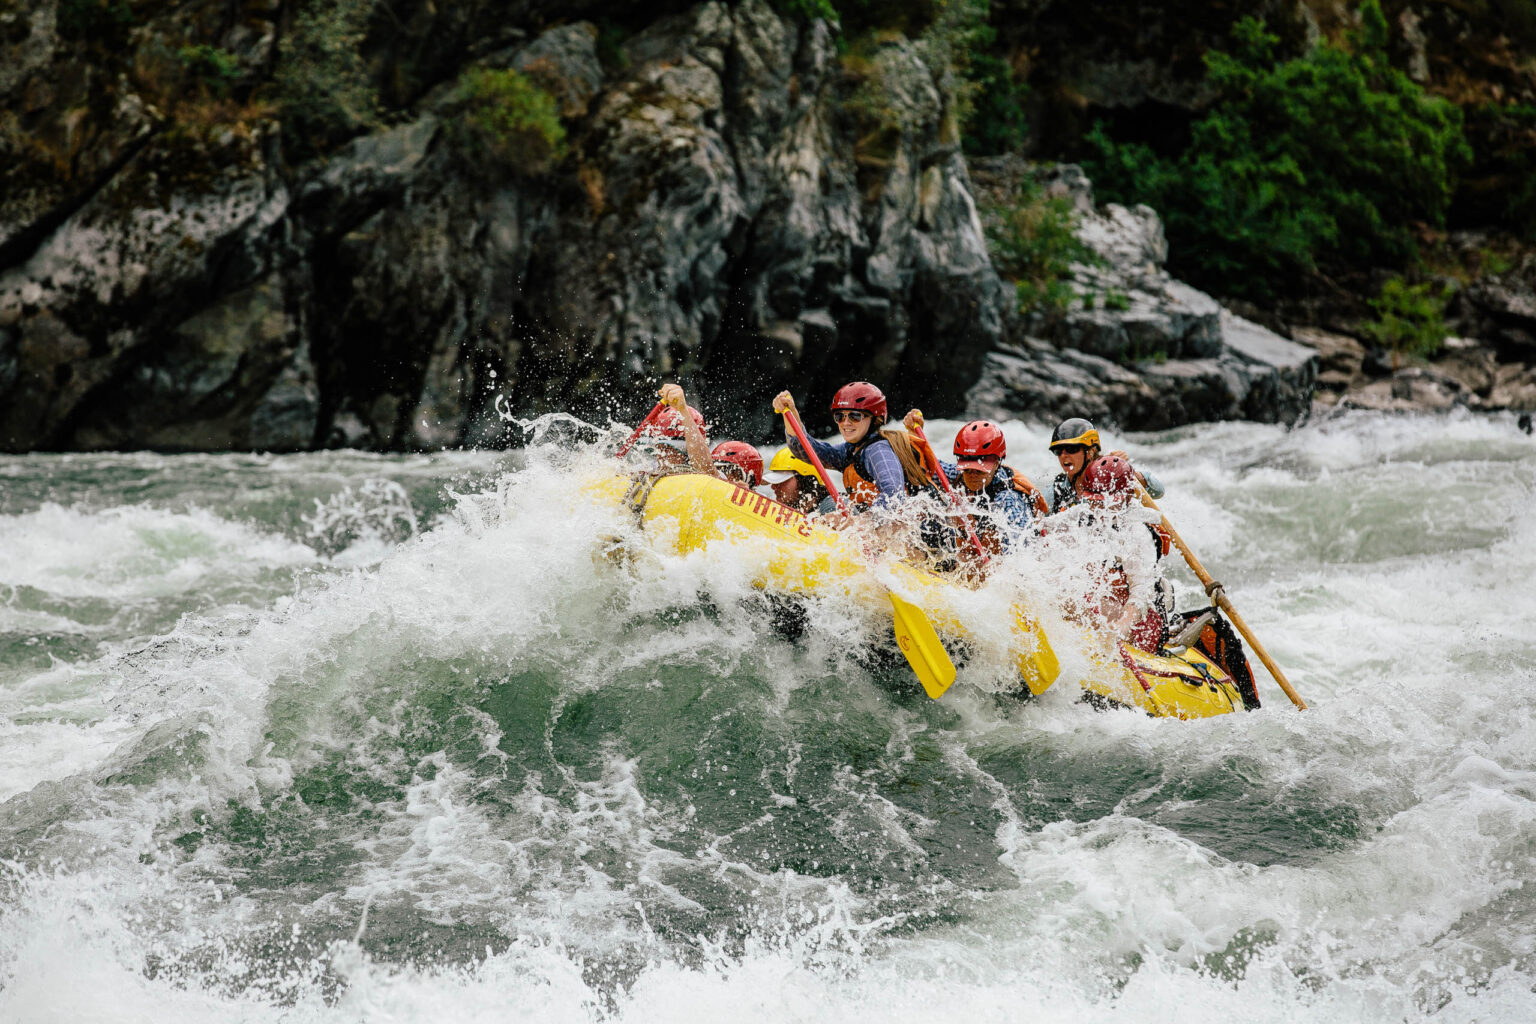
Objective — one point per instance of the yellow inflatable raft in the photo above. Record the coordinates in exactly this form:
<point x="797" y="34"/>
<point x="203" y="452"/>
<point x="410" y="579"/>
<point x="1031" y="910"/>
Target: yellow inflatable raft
<point x="794" y="555"/>
<point x="1183" y="685"/>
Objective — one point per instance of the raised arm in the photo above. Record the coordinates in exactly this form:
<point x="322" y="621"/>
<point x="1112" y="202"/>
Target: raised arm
<point x="699" y="459"/>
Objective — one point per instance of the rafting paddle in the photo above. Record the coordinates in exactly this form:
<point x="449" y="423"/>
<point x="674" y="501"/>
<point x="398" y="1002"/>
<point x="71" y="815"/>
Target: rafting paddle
<point x="650" y="416"/>
<point x="934" y="468"/>
<point x="1219" y="595"/>
<point x="915" y="634"/>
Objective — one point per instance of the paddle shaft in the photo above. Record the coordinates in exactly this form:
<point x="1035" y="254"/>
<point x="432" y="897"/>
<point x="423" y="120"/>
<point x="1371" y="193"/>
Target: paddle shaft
<point x="938" y="471"/>
<point x="1208" y="582"/>
<point x="624" y="448"/>
<point x="793" y="420"/>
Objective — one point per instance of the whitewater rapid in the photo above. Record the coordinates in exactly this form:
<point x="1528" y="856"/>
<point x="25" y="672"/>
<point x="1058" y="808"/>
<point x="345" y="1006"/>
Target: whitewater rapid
<point x="342" y="737"/>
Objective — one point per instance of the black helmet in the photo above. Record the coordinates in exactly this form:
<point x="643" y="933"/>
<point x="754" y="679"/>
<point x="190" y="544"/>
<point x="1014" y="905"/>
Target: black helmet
<point x="1074" y="431"/>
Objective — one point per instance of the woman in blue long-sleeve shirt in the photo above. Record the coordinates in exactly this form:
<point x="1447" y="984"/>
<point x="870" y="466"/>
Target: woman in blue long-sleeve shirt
<point x="873" y="472"/>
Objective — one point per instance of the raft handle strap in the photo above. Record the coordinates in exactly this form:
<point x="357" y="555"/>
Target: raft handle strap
<point x="639" y="493"/>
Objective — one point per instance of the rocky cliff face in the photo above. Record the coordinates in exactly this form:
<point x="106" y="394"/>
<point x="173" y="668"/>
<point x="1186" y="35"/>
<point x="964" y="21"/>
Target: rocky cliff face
<point x="716" y="218"/>
<point x="736" y="204"/>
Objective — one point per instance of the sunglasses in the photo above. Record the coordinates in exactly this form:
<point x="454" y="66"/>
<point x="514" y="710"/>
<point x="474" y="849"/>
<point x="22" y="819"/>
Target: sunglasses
<point x="1071" y="449"/>
<point x="851" y="415"/>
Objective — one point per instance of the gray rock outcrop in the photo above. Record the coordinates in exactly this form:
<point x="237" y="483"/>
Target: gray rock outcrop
<point x="1135" y="347"/>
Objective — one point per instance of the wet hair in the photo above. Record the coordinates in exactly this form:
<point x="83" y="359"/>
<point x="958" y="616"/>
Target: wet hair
<point x="906" y="453"/>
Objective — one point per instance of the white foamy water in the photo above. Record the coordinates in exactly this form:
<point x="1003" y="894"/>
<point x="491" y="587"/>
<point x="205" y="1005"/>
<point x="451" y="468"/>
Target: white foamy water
<point x="475" y="770"/>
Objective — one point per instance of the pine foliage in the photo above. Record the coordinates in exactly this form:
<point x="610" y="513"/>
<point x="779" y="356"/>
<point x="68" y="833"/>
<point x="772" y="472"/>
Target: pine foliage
<point x="1329" y="158"/>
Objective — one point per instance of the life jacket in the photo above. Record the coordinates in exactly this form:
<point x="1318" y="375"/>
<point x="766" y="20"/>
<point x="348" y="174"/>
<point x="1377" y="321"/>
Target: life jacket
<point x="859" y="490"/>
<point x="1219" y="642"/>
<point x="1063" y="495"/>
<point x="1026" y="487"/>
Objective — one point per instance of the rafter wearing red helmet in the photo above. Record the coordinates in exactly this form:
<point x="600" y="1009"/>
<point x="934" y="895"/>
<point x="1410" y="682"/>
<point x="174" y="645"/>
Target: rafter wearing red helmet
<point x="739" y="463"/>
<point x="874" y="473"/>
<point x="1006" y="517"/>
<point x="1136" y="600"/>
<point x="676" y="435"/>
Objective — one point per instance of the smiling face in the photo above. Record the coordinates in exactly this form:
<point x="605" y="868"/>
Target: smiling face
<point x="853" y="424"/>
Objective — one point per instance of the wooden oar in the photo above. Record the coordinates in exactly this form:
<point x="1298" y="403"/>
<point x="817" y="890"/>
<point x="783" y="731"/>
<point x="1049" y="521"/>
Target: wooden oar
<point x="915" y="634"/>
<point x="1219" y="595"/>
<point x="624" y="448"/>
<point x="933" y="467"/>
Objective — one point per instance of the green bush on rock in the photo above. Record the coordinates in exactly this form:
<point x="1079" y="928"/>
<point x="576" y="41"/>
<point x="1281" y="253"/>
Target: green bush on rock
<point x="1034" y="242"/>
<point x="1410" y="319"/>
<point x="1330" y="157"/>
<point x="217" y="70"/>
<point x="323" y="83"/>
<point x="808" y="9"/>
<point x="509" y="121"/>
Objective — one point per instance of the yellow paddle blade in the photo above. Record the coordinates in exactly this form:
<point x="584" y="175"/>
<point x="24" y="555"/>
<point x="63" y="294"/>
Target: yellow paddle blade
<point x="1038" y="664"/>
<point x="918" y="641"/>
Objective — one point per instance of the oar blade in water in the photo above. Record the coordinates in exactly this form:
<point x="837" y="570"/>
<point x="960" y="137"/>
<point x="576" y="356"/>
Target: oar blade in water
<point x="917" y="639"/>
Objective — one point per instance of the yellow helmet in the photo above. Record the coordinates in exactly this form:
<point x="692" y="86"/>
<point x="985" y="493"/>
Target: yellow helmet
<point x="1074" y="432"/>
<point x="785" y="464"/>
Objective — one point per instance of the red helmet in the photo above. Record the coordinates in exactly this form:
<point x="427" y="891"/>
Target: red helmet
<point x="668" y="424"/>
<point x="1108" y="476"/>
<point x="739" y="453"/>
<point x="980" y="445"/>
<point x="863" y="396"/>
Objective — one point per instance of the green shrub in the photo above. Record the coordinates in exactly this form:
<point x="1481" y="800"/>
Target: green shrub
<point x="996" y="123"/>
<point x="218" y="70"/>
<point x="610" y="46"/>
<point x="1410" y="319"/>
<point x="1331" y="157"/>
<point x="324" y="88"/>
<point x="1034" y="241"/>
<point x="949" y="46"/>
<point x="508" y="120"/>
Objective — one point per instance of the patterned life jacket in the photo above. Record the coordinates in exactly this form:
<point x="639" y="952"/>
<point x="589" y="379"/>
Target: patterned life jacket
<point x="860" y="491"/>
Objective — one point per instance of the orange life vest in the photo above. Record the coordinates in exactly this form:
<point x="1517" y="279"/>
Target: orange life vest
<point x="859" y="490"/>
